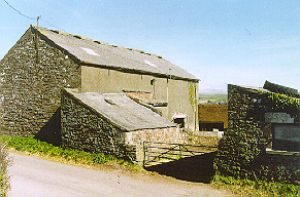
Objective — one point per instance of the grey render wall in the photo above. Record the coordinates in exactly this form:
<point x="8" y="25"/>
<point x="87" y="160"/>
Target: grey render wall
<point x="84" y="128"/>
<point x="181" y="95"/>
<point x="30" y="92"/>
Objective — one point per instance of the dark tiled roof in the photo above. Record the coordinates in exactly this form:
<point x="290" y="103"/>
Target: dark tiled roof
<point x="122" y="111"/>
<point x="97" y="53"/>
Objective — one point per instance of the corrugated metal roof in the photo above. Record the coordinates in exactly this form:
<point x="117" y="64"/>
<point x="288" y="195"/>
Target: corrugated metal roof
<point x="97" y="53"/>
<point x="122" y="111"/>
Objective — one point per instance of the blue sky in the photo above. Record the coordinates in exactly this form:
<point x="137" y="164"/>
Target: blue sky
<point x="219" y="41"/>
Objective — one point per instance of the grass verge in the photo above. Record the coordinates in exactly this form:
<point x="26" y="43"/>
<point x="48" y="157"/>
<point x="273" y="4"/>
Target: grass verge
<point x="36" y="147"/>
<point x="4" y="179"/>
<point x="260" y="188"/>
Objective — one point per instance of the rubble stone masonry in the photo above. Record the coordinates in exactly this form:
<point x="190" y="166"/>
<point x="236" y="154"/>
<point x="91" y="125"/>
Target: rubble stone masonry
<point x="30" y="84"/>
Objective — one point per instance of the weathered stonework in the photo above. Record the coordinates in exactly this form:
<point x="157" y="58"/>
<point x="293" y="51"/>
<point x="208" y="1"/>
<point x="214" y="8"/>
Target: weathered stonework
<point x="30" y="91"/>
<point x="83" y="128"/>
<point x="165" y="135"/>
<point x="243" y="149"/>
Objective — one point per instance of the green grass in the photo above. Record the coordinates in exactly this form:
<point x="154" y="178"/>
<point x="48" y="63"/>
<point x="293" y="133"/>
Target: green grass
<point x="214" y="98"/>
<point x="37" y="147"/>
<point x="260" y="188"/>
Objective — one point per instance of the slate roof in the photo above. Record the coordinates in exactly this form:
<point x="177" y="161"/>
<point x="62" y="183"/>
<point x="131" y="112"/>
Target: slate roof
<point x="122" y="111"/>
<point x="97" y="53"/>
<point x="280" y="91"/>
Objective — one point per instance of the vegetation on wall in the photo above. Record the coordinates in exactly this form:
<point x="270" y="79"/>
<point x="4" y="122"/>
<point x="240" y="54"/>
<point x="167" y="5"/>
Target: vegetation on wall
<point x="242" y="150"/>
<point x="4" y="179"/>
<point x="281" y="89"/>
<point x="283" y="103"/>
<point x="192" y="93"/>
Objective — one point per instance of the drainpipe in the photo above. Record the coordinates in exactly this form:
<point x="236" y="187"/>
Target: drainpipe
<point x="168" y="97"/>
<point x="168" y="91"/>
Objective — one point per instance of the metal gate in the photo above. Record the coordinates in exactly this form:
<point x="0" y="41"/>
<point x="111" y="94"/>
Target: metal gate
<point x="158" y="152"/>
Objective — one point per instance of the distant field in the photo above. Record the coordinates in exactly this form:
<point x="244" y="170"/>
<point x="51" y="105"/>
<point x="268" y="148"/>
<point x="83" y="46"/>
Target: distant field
<point x="213" y="98"/>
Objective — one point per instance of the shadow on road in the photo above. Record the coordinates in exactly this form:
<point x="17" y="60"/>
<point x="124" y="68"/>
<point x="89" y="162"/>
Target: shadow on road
<point x="196" y="169"/>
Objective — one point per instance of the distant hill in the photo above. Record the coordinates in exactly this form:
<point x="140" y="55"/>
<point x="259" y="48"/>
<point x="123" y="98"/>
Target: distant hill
<point x="213" y="98"/>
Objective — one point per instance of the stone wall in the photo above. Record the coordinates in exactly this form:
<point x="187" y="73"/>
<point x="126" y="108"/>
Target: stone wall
<point x="164" y="135"/>
<point x="30" y="90"/>
<point x="279" y="166"/>
<point x="242" y="150"/>
<point x="83" y="128"/>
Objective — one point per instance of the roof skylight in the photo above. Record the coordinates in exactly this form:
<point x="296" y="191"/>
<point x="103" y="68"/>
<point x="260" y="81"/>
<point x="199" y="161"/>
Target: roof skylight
<point x="150" y="63"/>
<point x="90" y="51"/>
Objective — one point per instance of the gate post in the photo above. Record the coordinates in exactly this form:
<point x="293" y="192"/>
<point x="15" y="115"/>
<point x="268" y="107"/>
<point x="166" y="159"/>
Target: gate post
<point x="180" y="151"/>
<point x="144" y="153"/>
<point x="139" y="154"/>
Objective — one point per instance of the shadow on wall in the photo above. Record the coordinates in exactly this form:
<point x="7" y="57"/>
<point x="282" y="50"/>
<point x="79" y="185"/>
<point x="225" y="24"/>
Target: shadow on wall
<point x="51" y="131"/>
<point x="198" y="168"/>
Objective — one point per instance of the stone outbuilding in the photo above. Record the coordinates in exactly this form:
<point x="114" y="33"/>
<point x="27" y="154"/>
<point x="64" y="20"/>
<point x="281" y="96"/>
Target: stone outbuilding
<point x="43" y="62"/>
<point x="263" y="137"/>
<point x="111" y="123"/>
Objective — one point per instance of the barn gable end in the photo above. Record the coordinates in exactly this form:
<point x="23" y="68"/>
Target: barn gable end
<point x="32" y="75"/>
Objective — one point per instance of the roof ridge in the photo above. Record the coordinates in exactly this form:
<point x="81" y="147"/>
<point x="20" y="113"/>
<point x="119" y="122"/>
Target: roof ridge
<point x="95" y="41"/>
<point x="82" y="49"/>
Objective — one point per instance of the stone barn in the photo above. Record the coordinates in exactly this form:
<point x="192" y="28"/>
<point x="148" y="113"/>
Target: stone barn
<point x="43" y="62"/>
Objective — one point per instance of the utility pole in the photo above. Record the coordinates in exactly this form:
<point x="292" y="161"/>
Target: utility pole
<point x="37" y="21"/>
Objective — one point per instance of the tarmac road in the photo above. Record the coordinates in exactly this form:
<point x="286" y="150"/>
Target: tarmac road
<point x="32" y="176"/>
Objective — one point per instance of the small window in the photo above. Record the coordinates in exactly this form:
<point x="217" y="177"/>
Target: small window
<point x="152" y="82"/>
<point x="179" y="119"/>
<point x="180" y="122"/>
<point x="286" y="137"/>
